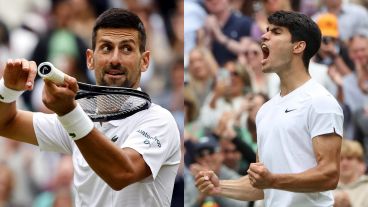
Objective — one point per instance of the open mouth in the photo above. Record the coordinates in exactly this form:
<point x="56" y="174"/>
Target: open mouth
<point x="265" y="51"/>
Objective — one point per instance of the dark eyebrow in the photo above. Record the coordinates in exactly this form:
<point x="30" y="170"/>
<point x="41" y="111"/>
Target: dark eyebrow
<point x="128" y="41"/>
<point x="274" y="29"/>
<point x="104" y="41"/>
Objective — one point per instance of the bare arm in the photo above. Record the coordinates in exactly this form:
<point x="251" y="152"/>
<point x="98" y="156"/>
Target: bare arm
<point x="15" y="124"/>
<point x="323" y="177"/>
<point x="117" y="167"/>
<point x="241" y="189"/>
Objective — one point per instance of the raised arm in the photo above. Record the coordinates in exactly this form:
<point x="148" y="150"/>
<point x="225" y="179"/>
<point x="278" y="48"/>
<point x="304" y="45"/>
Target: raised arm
<point x="117" y="167"/>
<point x="16" y="124"/>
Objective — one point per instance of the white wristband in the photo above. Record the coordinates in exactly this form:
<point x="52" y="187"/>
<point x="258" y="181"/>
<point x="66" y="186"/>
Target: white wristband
<point x="8" y="95"/>
<point x="76" y="123"/>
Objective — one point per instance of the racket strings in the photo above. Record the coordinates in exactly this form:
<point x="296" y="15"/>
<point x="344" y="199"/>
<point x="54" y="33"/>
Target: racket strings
<point x="111" y="104"/>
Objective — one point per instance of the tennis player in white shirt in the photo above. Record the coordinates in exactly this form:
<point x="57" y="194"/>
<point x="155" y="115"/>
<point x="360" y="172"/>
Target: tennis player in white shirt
<point x="129" y="162"/>
<point x="299" y="131"/>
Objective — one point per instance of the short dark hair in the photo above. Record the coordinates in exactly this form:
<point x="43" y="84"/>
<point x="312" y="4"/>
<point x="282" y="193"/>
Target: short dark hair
<point x="301" y="28"/>
<point x="120" y="18"/>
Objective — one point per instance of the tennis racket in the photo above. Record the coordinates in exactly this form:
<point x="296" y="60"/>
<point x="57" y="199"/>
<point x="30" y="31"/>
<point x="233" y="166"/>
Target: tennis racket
<point x="101" y="103"/>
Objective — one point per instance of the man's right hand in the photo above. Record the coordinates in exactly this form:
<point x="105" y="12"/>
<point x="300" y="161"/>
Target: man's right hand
<point x="19" y="74"/>
<point x="208" y="183"/>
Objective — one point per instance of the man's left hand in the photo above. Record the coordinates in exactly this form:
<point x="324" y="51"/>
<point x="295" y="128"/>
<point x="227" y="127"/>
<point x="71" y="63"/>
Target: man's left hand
<point x="259" y="176"/>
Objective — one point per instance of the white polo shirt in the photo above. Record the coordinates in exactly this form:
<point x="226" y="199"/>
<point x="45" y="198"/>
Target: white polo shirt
<point x="285" y="129"/>
<point x="152" y="132"/>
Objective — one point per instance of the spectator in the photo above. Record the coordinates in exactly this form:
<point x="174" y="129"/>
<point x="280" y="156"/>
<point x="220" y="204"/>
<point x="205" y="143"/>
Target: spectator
<point x="227" y="95"/>
<point x="208" y="156"/>
<point x="255" y="102"/>
<point x="6" y="185"/>
<point x="19" y="158"/>
<point x="193" y="129"/>
<point x="194" y="15"/>
<point x="353" y="184"/>
<point x="232" y="157"/>
<point x="355" y="87"/>
<point x="172" y="95"/>
<point x="84" y="13"/>
<point x="331" y="62"/>
<point x="350" y="17"/>
<point x="24" y="39"/>
<point x="61" y="47"/>
<point x="177" y="24"/>
<point x="60" y="193"/>
<point x="351" y="86"/>
<point x="243" y="137"/>
<point x="359" y="54"/>
<point x="332" y="50"/>
<point x="202" y="70"/>
<point x="224" y="25"/>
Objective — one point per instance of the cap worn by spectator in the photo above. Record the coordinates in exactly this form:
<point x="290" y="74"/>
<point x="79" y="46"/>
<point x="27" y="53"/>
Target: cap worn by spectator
<point x="328" y="25"/>
<point x="206" y="146"/>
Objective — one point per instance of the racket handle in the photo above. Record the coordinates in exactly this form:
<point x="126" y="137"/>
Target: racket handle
<point x="48" y="71"/>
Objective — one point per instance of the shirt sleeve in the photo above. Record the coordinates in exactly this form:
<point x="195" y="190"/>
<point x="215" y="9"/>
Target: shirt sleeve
<point x="157" y="139"/>
<point x="50" y="134"/>
<point x="325" y="117"/>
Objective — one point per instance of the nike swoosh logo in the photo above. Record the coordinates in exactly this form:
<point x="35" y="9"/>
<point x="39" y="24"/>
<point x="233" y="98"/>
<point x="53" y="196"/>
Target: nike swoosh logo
<point x="114" y="138"/>
<point x="287" y="111"/>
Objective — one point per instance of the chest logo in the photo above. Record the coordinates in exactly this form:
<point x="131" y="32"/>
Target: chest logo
<point x="114" y="138"/>
<point x="289" y="110"/>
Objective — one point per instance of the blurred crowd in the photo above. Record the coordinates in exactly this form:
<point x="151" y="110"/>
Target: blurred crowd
<point x="59" y="31"/>
<point x="224" y="88"/>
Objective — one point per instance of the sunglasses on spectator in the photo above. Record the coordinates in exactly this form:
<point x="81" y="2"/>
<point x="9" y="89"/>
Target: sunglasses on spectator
<point x="253" y="52"/>
<point x="326" y="40"/>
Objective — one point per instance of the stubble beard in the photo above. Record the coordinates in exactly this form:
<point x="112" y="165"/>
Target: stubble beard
<point x="115" y="83"/>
